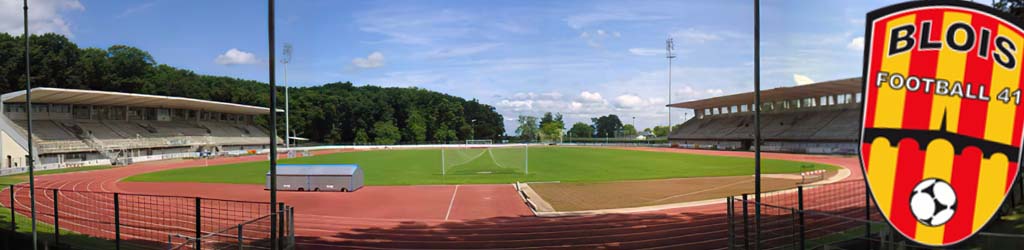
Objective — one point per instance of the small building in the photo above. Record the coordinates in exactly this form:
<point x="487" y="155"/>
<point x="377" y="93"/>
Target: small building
<point x="318" y="177"/>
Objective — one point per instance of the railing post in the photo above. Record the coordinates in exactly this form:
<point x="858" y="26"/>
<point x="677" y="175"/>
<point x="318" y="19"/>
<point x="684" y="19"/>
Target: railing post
<point x="291" y="227"/>
<point x="732" y="221"/>
<point x="14" y="226"/>
<point x="800" y="205"/>
<point x="241" y="244"/>
<point x="56" y="220"/>
<point x="280" y="224"/>
<point x="746" y="226"/>
<point x="117" y="222"/>
<point x="867" y="216"/>
<point x="199" y="223"/>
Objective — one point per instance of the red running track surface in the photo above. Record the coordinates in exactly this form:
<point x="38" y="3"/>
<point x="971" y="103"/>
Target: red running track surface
<point x="432" y="216"/>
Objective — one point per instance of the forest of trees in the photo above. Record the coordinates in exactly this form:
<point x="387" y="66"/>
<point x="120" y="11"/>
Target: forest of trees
<point x="331" y="113"/>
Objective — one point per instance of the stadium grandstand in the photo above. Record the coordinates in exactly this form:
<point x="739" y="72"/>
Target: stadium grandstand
<point x="822" y="118"/>
<point x="83" y="127"/>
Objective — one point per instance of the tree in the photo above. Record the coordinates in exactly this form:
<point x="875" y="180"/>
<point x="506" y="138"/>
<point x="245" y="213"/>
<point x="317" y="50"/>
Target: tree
<point x="581" y="130"/>
<point x="660" y="131"/>
<point x="361" y="137"/>
<point x="1014" y="7"/>
<point x="551" y="127"/>
<point x="628" y="129"/>
<point x="527" y="128"/>
<point x="338" y="112"/>
<point x="551" y="131"/>
<point x="416" y="127"/>
<point x="444" y="134"/>
<point x="607" y="126"/>
<point x="385" y="133"/>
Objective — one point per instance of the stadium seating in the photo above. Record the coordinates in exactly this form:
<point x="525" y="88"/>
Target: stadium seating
<point x="825" y="129"/>
<point x="65" y="136"/>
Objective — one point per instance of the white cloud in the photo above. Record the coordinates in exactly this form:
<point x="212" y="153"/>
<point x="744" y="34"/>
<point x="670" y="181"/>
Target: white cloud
<point x="594" y="38"/>
<point x="575" y="106"/>
<point x="234" y="56"/>
<point x="689" y="93"/>
<point x="646" y="51"/>
<point x="461" y="51"/>
<point x="692" y="35"/>
<point x="629" y="101"/>
<point x="44" y="16"/>
<point x="374" y="60"/>
<point x="136" y="9"/>
<point x="801" y="79"/>
<point x="583" y="20"/>
<point x="856" y="43"/>
<point x="590" y="97"/>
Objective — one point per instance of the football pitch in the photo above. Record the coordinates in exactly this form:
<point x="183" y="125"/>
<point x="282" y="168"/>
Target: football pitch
<point x="545" y="164"/>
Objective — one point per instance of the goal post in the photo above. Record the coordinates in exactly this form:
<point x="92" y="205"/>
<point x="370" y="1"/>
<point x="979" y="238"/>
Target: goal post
<point x="474" y="159"/>
<point x="479" y="142"/>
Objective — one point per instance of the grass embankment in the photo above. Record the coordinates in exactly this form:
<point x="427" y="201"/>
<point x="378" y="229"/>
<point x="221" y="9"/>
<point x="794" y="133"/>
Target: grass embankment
<point x="23" y="177"/>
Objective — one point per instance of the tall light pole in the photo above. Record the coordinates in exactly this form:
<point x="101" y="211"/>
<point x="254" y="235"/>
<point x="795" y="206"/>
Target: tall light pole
<point x="284" y="63"/>
<point x="669" y="47"/>
<point x="28" y="114"/>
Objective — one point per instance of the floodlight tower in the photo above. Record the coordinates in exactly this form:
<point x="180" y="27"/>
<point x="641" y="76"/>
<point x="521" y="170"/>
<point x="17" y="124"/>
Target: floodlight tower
<point x="284" y="62"/>
<point x="669" y="47"/>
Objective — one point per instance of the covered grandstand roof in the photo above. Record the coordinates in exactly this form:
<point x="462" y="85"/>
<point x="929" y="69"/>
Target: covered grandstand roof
<point x="108" y="98"/>
<point x="843" y="86"/>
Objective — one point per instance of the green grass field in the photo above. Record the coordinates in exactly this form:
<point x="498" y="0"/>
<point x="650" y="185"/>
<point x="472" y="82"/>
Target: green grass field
<point x="565" y="164"/>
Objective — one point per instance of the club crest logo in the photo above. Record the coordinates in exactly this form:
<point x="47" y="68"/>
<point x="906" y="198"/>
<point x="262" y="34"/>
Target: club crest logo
<point x="942" y="116"/>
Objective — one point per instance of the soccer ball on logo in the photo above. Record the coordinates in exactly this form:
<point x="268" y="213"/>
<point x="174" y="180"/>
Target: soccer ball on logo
<point x="933" y="202"/>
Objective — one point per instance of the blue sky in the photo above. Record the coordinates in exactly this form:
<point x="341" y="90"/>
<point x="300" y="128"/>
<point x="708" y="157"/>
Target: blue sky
<point x="580" y="58"/>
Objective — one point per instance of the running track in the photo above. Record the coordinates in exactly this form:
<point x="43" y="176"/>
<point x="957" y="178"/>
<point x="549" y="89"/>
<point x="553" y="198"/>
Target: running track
<point x="438" y="216"/>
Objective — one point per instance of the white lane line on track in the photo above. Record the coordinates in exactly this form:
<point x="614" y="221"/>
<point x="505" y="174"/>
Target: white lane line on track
<point x="452" y="202"/>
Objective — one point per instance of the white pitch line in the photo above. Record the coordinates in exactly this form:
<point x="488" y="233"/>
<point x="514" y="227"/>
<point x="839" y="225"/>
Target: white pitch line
<point x="452" y="202"/>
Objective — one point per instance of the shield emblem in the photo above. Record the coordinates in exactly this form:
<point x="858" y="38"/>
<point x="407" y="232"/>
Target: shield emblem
<point x="942" y="116"/>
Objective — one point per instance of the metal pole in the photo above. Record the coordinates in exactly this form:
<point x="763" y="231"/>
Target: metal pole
<point x="730" y="202"/>
<point x="199" y="224"/>
<point x="867" y="216"/>
<point x="287" y="128"/>
<point x="14" y="226"/>
<point x="56" y="220"/>
<point x="273" y="126"/>
<point x="241" y="244"/>
<point x="757" y="124"/>
<point x="280" y="225"/>
<point x="117" y="222"/>
<point x="800" y="205"/>
<point x="746" y="224"/>
<point x="28" y="115"/>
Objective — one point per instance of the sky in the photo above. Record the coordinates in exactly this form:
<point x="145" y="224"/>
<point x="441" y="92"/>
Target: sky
<point x="582" y="59"/>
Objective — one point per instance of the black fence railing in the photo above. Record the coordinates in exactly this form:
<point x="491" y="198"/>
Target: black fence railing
<point x="104" y="220"/>
<point x="837" y="215"/>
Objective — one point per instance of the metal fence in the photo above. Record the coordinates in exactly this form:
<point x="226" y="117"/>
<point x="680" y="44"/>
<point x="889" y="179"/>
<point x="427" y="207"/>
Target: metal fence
<point x="838" y="215"/>
<point x="104" y="220"/>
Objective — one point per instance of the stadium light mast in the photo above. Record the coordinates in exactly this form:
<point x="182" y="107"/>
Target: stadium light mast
<point x="284" y="63"/>
<point x="669" y="47"/>
<point x="28" y="115"/>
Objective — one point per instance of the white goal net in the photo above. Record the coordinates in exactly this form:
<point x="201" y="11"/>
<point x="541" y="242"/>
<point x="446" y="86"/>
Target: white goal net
<point x="478" y="158"/>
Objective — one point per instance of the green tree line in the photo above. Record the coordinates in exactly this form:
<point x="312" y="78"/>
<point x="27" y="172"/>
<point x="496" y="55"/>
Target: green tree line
<point x="331" y="113"/>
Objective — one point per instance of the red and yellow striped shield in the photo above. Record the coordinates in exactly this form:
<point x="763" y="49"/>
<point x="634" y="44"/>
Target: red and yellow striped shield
<point x="942" y="118"/>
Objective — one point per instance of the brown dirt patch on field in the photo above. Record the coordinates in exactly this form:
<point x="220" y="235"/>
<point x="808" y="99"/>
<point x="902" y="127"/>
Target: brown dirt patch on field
<point x="627" y="194"/>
